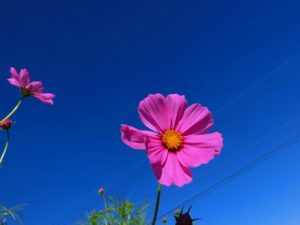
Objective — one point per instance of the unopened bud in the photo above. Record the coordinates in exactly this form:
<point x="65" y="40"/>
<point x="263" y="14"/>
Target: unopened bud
<point x="101" y="191"/>
<point x="6" y="124"/>
<point x="177" y="212"/>
<point x="184" y="218"/>
<point x="164" y="220"/>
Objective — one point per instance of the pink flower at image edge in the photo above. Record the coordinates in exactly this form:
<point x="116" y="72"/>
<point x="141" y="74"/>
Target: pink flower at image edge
<point x="177" y="141"/>
<point x="34" y="88"/>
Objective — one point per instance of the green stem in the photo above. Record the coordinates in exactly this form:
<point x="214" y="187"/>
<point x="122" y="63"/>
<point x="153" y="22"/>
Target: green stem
<point x="105" y="208"/>
<point x="5" y="147"/>
<point x="157" y="203"/>
<point x="14" y="110"/>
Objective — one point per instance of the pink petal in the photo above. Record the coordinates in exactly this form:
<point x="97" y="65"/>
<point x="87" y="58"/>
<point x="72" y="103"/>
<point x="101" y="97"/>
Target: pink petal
<point x="195" y="120"/>
<point x="35" y="87"/>
<point x="24" y="77"/>
<point x="15" y="79"/>
<point x="173" y="172"/>
<point x="133" y="137"/>
<point x="200" y="149"/>
<point x="14" y="73"/>
<point x="45" y="97"/>
<point x="155" y="150"/>
<point x="14" y="82"/>
<point x="167" y="168"/>
<point x="177" y="105"/>
<point x="154" y="112"/>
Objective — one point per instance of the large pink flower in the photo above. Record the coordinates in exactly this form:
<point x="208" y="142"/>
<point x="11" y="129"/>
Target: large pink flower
<point x="177" y="141"/>
<point x="34" y="88"/>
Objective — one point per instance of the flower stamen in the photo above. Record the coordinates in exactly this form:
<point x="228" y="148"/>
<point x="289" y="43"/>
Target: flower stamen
<point x="172" y="139"/>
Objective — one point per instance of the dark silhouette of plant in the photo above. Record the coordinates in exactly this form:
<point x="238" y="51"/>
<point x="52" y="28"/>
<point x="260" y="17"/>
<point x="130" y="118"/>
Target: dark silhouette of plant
<point x="184" y="218"/>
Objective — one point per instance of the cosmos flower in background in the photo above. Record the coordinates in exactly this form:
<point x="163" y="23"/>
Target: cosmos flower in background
<point x="27" y="88"/>
<point x="177" y="141"/>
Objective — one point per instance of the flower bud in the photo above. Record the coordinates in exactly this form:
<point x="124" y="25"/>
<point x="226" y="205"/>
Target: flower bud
<point x="164" y="220"/>
<point x="184" y="218"/>
<point x="101" y="191"/>
<point x="177" y="212"/>
<point x="6" y="124"/>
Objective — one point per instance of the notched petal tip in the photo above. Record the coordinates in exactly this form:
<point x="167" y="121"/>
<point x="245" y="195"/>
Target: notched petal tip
<point x="15" y="79"/>
<point x="219" y="143"/>
<point x="176" y="95"/>
<point x="45" y="97"/>
<point x="196" y="119"/>
<point x="12" y="70"/>
<point x="133" y="137"/>
<point x="200" y="149"/>
<point x="14" y="82"/>
<point x="177" y="104"/>
<point x="155" y="113"/>
<point x="172" y="171"/>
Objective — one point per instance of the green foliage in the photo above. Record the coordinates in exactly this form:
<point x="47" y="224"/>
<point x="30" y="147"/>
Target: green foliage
<point x="117" y="211"/>
<point x="13" y="214"/>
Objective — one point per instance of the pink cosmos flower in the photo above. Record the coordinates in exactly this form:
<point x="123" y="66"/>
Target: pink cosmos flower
<point x="177" y="141"/>
<point x="34" y="88"/>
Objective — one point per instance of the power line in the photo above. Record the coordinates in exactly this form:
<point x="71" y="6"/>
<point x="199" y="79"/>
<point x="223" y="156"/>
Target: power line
<point x="236" y="174"/>
<point x="257" y="83"/>
<point x="68" y="209"/>
<point x="218" y="113"/>
<point x="241" y="153"/>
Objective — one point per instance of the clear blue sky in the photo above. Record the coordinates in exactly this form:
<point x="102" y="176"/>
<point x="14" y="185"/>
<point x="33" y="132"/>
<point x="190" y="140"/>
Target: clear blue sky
<point x="240" y="59"/>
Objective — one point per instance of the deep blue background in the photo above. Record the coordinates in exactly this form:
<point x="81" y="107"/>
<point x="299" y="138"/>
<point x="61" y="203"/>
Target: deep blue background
<point x="239" y="58"/>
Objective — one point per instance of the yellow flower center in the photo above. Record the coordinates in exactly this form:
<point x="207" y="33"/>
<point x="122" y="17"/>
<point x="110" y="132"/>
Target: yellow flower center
<point x="172" y="139"/>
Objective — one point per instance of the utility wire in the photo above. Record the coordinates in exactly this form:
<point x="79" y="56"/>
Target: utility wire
<point x="218" y="113"/>
<point x="237" y="173"/>
<point x="240" y="154"/>
<point x="257" y="83"/>
<point x="70" y="207"/>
